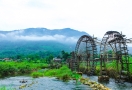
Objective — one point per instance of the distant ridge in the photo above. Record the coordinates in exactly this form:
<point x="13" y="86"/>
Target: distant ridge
<point x="38" y="40"/>
<point x="44" y="31"/>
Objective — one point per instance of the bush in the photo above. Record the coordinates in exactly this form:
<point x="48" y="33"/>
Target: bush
<point x="65" y="77"/>
<point x="17" y="68"/>
<point x="63" y="73"/>
<point x="37" y="74"/>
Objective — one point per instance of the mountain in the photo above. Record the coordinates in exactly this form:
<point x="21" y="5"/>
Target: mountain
<point x="36" y="40"/>
<point x="65" y="35"/>
<point x="44" y="31"/>
<point x="39" y="40"/>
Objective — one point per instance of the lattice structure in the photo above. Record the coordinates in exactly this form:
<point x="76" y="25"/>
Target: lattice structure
<point x="113" y="47"/>
<point x="85" y="54"/>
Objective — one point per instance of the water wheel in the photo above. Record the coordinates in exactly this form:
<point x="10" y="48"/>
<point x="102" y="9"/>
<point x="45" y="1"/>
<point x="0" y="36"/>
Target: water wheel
<point x="114" y="56"/>
<point x="85" y="54"/>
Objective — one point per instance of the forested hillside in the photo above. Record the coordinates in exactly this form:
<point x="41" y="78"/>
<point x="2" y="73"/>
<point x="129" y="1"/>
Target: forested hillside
<point x="11" y="49"/>
<point x="39" y="41"/>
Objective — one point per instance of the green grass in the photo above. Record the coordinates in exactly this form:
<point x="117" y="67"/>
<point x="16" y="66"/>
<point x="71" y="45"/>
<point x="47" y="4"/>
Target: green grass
<point x="111" y="67"/>
<point x="111" y="64"/>
<point x="6" y="88"/>
<point x="37" y="74"/>
<point x="63" y="73"/>
<point x="19" y="68"/>
<point x="3" y="88"/>
<point x="35" y="69"/>
<point x="130" y="60"/>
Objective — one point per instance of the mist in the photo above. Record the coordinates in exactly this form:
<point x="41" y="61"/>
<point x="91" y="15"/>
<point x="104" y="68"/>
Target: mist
<point x="17" y="36"/>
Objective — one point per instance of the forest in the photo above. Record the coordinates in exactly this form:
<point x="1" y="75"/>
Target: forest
<point x="17" y="49"/>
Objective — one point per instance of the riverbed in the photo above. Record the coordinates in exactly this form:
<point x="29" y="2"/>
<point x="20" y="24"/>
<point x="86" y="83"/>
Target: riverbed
<point x="51" y="83"/>
<point x="111" y="84"/>
<point x="42" y="83"/>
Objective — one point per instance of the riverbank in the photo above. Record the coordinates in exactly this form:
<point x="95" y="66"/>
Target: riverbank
<point x="65" y="74"/>
<point x="52" y="83"/>
<point x="19" y="68"/>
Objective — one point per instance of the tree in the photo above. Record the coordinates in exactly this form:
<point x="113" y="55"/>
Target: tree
<point x="49" y="58"/>
<point x="65" y="55"/>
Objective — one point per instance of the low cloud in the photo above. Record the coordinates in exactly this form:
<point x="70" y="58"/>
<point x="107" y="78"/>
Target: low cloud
<point x="15" y="36"/>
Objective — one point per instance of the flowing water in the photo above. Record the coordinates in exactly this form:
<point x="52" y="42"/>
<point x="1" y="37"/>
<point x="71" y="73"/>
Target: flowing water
<point x="46" y="83"/>
<point x="42" y="83"/>
<point x="111" y="84"/>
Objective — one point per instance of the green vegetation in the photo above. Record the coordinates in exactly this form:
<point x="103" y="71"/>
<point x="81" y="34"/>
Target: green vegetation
<point x="3" y="88"/>
<point x="35" y="65"/>
<point x="37" y="74"/>
<point x="12" y="68"/>
<point x="63" y="73"/>
<point x="25" y="49"/>
<point x="130" y="58"/>
<point x="19" y="68"/>
<point x="111" y="68"/>
<point x="26" y="65"/>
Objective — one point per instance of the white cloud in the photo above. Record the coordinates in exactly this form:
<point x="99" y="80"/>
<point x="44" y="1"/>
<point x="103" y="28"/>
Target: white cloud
<point x="34" y="38"/>
<point x="93" y="16"/>
<point x="11" y="36"/>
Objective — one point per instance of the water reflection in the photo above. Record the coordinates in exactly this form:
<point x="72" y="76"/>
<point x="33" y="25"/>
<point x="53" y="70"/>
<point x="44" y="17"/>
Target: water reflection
<point x="112" y="85"/>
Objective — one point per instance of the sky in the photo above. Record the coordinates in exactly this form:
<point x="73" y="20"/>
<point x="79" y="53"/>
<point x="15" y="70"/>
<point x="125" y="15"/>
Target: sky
<point x="95" y="17"/>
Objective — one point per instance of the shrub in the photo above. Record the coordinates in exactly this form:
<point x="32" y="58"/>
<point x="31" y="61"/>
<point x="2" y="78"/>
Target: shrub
<point x="37" y="74"/>
<point x="16" y="68"/>
<point x="65" y="77"/>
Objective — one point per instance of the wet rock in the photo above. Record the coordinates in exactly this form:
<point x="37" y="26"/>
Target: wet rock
<point x="23" y="81"/>
<point x="22" y="86"/>
<point x="93" y="85"/>
<point x="80" y="73"/>
<point x="103" y="78"/>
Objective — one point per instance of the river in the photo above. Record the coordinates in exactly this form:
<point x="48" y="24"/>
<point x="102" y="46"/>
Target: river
<point x="42" y="83"/>
<point x="111" y="84"/>
<point x="47" y="83"/>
